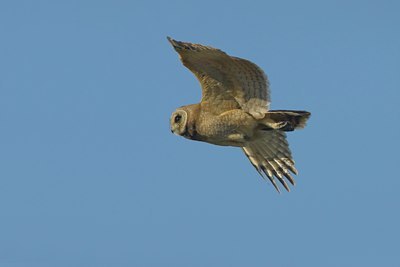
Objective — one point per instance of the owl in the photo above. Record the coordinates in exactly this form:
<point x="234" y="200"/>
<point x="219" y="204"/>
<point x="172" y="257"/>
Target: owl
<point x="234" y="111"/>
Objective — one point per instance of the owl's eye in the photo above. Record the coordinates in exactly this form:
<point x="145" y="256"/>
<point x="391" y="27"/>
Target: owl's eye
<point x="177" y="118"/>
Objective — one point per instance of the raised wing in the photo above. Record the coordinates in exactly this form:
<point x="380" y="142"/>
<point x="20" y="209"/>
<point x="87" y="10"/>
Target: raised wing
<point x="226" y="81"/>
<point x="271" y="157"/>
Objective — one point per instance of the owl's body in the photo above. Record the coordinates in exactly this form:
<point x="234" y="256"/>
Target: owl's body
<point x="231" y="128"/>
<point x="234" y="111"/>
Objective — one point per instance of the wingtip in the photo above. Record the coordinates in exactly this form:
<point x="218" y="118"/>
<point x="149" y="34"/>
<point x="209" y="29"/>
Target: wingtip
<point x="170" y="40"/>
<point x="289" y="177"/>
<point x="175" y="44"/>
<point x="277" y="188"/>
<point x="271" y="178"/>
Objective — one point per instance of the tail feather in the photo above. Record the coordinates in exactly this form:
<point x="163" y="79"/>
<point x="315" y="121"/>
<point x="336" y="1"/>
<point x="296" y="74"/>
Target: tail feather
<point x="284" y="120"/>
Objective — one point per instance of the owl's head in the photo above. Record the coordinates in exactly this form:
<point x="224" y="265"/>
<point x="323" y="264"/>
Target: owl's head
<point x="178" y="122"/>
<point x="183" y="121"/>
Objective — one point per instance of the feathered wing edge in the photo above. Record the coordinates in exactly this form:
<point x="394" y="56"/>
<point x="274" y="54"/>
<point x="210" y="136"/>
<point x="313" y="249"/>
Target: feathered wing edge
<point x="271" y="157"/>
<point x="222" y="75"/>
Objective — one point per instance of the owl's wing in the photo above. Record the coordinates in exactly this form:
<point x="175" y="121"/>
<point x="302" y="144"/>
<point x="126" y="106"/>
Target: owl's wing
<point x="226" y="81"/>
<point x="272" y="158"/>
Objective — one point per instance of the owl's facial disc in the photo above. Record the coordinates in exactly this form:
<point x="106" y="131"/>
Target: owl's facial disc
<point x="178" y="122"/>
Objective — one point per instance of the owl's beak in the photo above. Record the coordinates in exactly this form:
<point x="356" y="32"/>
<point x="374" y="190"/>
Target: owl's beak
<point x="174" y="132"/>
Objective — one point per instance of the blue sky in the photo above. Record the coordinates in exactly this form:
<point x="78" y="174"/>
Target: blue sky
<point x="91" y="176"/>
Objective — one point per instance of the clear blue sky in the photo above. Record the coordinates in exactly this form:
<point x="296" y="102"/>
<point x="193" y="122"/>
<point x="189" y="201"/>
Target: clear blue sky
<point x="90" y="174"/>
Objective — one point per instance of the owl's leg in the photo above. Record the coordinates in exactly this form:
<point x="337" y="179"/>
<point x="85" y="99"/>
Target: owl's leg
<point x="238" y="137"/>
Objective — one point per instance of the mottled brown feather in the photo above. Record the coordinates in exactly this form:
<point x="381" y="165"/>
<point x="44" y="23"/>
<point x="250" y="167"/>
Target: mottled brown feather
<point x="225" y="79"/>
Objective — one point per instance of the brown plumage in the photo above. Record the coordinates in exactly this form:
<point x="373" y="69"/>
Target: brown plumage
<point x="234" y="111"/>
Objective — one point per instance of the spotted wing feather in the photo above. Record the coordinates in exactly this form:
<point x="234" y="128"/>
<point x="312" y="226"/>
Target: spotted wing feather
<point x="227" y="82"/>
<point x="271" y="157"/>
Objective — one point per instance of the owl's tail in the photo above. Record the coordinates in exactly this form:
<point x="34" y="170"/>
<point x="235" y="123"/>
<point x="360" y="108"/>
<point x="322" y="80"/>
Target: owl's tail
<point x="284" y="120"/>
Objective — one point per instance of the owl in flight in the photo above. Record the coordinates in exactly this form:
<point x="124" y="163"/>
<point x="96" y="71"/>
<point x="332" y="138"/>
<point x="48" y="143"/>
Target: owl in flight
<point x="234" y="111"/>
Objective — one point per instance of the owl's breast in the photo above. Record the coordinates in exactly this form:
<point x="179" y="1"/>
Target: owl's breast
<point x="224" y="130"/>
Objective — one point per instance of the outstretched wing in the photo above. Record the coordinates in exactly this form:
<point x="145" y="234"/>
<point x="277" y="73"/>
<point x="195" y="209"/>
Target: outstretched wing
<point x="272" y="158"/>
<point x="227" y="82"/>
